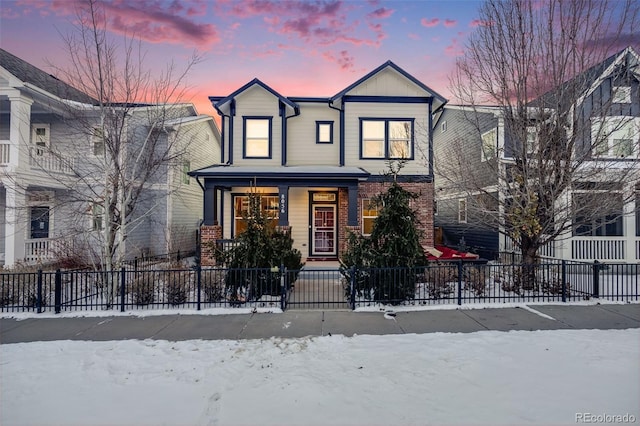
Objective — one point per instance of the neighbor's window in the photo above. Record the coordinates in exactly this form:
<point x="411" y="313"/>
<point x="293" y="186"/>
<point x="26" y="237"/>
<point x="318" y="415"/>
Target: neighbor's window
<point x="269" y="207"/>
<point x="621" y="95"/>
<point x="462" y="211"/>
<point x="97" y="213"/>
<point x="324" y="131"/>
<point x="257" y="137"/>
<point x="615" y="137"/>
<point x="388" y="138"/>
<point x="40" y="137"/>
<point x="369" y="215"/>
<point x="597" y="219"/>
<point x="443" y="127"/>
<point x="97" y="140"/>
<point x="186" y="166"/>
<point x="489" y="144"/>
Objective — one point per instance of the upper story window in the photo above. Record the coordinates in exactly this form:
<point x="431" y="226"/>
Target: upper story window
<point x="386" y="138"/>
<point x="186" y="166"/>
<point x="40" y="137"/>
<point x="615" y="137"/>
<point x="489" y="144"/>
<point x="324" y="131"/>
<point x="257" y="137"/>
<point x="621" y="95"/>
<point x="443" y="127"/>
<point x="462" y="210"/>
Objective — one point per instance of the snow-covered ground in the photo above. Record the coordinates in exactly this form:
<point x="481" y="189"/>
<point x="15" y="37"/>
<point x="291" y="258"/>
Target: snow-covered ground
<point x="517" y="377"/>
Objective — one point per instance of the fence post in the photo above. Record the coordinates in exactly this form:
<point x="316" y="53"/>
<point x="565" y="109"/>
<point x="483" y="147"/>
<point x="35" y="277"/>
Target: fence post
<point x="199" y="284"/>
<point x="283" y="286"/>
<point x="122" y="288"/>
<point x="135" y="263"/>
<point x="460" y="272"/>
<point x="352" y="284"/>
<point x="596" y="279"/>
<point x="58" y="291"/>
<point x="564" y="280"/>
<point x="39" y="295"/>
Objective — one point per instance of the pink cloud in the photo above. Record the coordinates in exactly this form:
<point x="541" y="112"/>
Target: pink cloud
<point x="454" y="49"/>
<point x="381" y="13"/>
<point x="344" y="60"/>
<point x="479" y="23"/>
<point x="449" y="23"/>
<point x="429" y="23"/>
<point x="413" y="36"/>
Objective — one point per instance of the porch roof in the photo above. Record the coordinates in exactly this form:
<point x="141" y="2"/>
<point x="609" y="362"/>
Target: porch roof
<point x="320" y="173"/>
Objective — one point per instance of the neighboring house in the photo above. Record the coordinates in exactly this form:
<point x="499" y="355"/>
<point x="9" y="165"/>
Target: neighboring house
<point x="45" y="158"/>
<point x="317" y="162"/>
<point x="479" y="136"/>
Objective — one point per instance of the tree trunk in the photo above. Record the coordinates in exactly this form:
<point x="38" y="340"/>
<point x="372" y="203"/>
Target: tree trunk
<point x="530" y="260"/>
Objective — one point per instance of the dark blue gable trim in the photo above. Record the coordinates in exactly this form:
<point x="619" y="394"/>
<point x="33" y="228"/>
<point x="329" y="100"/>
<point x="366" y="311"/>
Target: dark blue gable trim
<point x="253" y="82"/>
<point x="231" y="115"/>
<point x="389" y="99"/>
<point x="283" y="133"/>
<point x="399" y="70"/>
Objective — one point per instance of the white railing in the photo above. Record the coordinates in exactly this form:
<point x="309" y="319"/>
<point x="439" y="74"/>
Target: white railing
<point x="5" y="150"/>
<point x="39" y="250"/>
<point x="597" y="248"/>
<point x="42" y="158"/>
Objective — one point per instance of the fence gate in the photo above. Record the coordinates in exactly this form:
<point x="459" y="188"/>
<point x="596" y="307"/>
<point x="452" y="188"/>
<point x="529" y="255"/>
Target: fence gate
<point x="318" y="289"/>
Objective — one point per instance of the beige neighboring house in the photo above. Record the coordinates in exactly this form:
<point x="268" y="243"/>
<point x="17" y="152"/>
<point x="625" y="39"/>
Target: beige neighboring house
<point x="318" y="161"/>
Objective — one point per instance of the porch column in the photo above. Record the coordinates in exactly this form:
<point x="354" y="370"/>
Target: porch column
<point x="283" y="200"/>
<point x="210" y="205"/>
<point x="629" y="223"/>
<point x="19" y="130"/>
<point x="352" y="212"/>
<point x="16" y="215"/>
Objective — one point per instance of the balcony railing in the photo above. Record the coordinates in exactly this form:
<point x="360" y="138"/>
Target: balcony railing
<point x="42" y="158"/>
<point x="39" y="250"/>
<point x="600" y="248"/>
<point x="5" y="157"/>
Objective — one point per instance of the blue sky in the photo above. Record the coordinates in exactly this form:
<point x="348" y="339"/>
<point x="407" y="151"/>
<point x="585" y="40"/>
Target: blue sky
<point x="299" y="48"/>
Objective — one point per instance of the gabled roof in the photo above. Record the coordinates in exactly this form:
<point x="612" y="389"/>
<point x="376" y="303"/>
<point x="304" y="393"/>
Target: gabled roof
<point x="28" y="73"/>
<point x="589" y="78"/>
<point x="439" y="99"/>
<point x="219" y="102"/>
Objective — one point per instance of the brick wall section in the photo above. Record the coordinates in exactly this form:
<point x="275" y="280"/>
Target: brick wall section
<point x="208" y="234"/>
<point x="423" y="205"/>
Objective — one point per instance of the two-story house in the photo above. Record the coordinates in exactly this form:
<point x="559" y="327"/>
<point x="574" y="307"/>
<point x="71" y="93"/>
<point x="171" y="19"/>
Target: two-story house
<point x="51" y="170"/>
<point x="317" y="162"/>
<point x="475" y="149"/>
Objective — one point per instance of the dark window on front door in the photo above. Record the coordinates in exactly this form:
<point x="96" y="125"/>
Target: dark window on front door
<point x="39" y="222"/>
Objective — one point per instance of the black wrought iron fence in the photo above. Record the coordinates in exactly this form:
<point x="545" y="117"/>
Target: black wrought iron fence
<point x="202" y="288"/>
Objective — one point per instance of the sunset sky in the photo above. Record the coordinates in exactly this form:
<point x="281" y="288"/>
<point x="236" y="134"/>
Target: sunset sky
<point x="298" y="48"/>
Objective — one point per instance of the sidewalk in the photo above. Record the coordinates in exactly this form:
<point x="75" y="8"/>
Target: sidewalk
<point x="319" y="323"/>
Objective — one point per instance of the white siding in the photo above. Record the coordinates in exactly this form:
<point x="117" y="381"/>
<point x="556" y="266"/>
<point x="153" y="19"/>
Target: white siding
<point x="302" y="148"/>
<point x="299" y="219"/>
<point x="355" y="110"/>
<point x="387" y="82"/>
<point x="256" y="101"/>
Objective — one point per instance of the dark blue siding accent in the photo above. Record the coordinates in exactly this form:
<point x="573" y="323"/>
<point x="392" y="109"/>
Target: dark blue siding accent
<point x="283" y="119"/>
<point x="389" y="99"/>
<point x="232" y="114"/>
<point x="342" y="136"/>
<point x="283" y="199"/>
<point x="210" y="206"/>
<point x="352" y="215"/>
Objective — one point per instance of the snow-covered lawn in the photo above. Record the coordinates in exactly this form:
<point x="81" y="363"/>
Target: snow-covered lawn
<point x="487" y="377"/>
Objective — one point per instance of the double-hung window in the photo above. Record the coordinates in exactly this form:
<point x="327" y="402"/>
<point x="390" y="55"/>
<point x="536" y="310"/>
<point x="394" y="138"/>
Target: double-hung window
<point x="386" y="138"/>
<point x="40" y="137"/>
<point x="257" y="137"/>
<point x="615" y="137"/>
<point x="489" y="144"/>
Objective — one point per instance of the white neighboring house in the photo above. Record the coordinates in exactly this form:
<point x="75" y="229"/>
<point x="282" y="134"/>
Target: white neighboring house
<point x="41" y="151"/>
<point x="612" y="237"/>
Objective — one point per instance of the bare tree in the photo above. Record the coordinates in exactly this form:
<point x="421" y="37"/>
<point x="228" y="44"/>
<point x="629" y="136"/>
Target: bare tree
<point x="533" y="65"/>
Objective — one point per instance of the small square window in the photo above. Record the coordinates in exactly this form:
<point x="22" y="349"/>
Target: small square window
<point x="324" y="131"/>
<point x="621" y="95"/>
<point x="443" y="127"/>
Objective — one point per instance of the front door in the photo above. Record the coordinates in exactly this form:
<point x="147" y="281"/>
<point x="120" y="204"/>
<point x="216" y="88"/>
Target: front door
<point x="39" y="222"/>
<point x="323" y="230"/>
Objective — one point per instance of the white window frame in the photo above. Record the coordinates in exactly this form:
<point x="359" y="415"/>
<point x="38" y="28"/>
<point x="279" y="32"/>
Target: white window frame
<point x="621" y="94"/>
<point x="366" y="204"/>
<point x="41" y="143"/>
<point x="489" y="137"/>
<point x="97" y="139"/>
<point x="462" y="210"/>
<point x="97" y="217"/>
<point x="443" y="126"/>
<point x="611" y="131"/>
